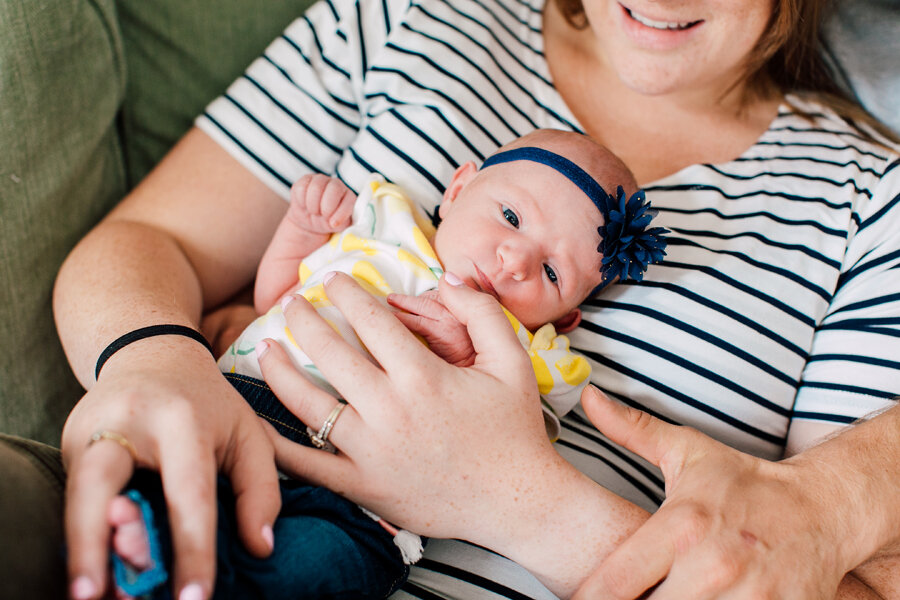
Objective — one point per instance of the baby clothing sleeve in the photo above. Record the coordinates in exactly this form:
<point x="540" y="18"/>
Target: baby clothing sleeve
<point x="561" y="373"/>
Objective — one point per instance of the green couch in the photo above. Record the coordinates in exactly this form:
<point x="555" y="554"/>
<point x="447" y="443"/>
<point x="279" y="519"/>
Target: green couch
<point x="93" y="92"/>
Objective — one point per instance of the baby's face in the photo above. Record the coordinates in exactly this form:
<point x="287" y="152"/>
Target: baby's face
<point x="525" y="234"/>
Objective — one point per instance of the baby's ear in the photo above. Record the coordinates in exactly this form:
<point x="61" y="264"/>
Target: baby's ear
<point x="461" y="177"/>
<point x="568" y="322"/>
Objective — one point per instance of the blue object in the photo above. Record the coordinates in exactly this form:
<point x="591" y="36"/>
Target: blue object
<point x="139" y="583"/>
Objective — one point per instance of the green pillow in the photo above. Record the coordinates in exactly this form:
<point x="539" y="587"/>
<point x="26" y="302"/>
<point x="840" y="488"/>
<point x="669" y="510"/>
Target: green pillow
<point x="180" y="55"/>
<point x="61" y="83"/>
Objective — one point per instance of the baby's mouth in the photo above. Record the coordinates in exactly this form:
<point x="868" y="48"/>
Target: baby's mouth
<point x="484" y="283"/>
<point x="661" y="25"/>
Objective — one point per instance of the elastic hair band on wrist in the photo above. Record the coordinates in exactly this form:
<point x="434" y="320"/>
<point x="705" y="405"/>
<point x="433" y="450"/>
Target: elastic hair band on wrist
<point x="145" y="332"/>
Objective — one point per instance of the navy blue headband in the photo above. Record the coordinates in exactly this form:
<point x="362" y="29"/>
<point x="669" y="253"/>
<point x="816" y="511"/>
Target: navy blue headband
<point x="627" y="245"/>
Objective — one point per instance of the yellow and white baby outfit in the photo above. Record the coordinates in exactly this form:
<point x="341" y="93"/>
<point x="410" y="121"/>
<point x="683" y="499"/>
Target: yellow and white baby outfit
<point x="387" y="250"/>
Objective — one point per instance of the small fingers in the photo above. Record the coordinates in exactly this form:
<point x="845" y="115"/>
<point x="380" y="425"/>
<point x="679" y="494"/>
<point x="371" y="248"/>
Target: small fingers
<point x="422" y="305"/>
<point x="94" y="480"/>
<point x="334" y="203"/>
<point x="496" y="345"/>
<point x="314" y="190"/>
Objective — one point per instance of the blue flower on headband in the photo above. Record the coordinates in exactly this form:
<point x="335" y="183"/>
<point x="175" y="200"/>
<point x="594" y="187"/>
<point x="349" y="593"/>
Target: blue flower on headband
<point x="627" y="245"/>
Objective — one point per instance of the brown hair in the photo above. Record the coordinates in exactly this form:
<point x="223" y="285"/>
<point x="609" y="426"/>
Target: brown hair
<point x="788" y="58"/>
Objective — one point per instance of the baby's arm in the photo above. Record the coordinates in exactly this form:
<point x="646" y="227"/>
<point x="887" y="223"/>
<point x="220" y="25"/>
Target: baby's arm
<point x="426" y="315"/>
<point x="320" y="206"/>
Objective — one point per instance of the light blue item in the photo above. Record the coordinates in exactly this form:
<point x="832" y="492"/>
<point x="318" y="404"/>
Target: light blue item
<point x="139" y="583"/>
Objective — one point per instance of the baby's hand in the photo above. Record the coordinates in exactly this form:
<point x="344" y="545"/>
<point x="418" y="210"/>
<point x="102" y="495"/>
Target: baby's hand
<point x="321" y="204"/>
<point x="426" y="316"/>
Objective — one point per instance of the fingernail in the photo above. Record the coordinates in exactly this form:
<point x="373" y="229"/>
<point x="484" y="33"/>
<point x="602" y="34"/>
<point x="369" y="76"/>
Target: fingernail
<point x="268" y="536"/>
<point x="261" y="348"/>
<point x="192" y="591"/>
<point x="452" y="279"/>
<point x="83" y="588"/>
<point x="285" y="301"/>
<point x="329" y="276"/>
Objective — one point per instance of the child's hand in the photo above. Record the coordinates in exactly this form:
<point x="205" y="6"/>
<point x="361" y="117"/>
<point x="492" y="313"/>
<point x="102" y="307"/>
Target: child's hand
<point x="321" y="204"/>
<point x="426" y="316"/>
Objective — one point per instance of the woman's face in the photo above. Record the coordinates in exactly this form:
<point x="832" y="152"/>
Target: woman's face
<point x="664" y="46"/>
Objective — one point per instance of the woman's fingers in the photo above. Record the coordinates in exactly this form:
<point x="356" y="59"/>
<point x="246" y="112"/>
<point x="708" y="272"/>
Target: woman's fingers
<point x="254" y="480"/>
<point x="94" y="479"/>
<point x="498" y="350"/>
<point x="336" y="472"/>
<point x="302" y="397"/>
<point x="641" y="433"/>
<point x="188" y="472"/>
<point x="388" y="340"/>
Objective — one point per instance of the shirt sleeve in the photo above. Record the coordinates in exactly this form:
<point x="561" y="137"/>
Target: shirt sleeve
<point x="298" y="106"/>
<point x="854" y="364"/>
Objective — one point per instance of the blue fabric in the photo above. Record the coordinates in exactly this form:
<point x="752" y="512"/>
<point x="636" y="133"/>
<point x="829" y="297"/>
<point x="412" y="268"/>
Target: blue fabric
<point x="325" y="546"/>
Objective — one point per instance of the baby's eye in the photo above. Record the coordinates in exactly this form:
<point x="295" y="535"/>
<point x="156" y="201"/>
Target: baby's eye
<point x="510" y="216"/>
<point x="551" y="274"/>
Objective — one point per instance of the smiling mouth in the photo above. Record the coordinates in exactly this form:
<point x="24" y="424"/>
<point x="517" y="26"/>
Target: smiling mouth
<point x="485" y="284"/>
<point x="661" y="25"/>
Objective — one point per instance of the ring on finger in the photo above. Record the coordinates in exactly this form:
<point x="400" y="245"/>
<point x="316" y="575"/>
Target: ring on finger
<point x="113" y="436"/>
<point x="320" y="440"/>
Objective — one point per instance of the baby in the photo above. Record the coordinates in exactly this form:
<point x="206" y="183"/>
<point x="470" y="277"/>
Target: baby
<point x="534" y="227"/>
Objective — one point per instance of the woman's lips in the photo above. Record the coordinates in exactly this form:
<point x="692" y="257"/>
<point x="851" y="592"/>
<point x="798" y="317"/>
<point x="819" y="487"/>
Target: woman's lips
<point x="656" y="34"/>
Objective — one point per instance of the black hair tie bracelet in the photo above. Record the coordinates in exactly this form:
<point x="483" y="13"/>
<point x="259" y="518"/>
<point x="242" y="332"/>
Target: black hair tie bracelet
<point x="145" y="332"/>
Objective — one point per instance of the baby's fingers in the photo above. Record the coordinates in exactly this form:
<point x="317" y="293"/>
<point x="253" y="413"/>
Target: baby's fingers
<point x="423" y="305"/>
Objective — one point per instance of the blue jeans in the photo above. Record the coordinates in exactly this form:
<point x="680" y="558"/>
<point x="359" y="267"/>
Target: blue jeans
<point x="325" y="546"/>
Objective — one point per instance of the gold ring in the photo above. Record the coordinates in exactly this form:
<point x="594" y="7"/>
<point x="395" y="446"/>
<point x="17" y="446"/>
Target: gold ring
<point x="320" y="440"/>
<point x="118" y="438"/>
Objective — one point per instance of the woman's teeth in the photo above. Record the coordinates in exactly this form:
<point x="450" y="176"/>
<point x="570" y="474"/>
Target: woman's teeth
<point x="659" y="24"/>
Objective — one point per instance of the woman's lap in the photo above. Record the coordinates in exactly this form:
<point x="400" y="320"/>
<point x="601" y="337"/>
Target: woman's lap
<point x="32" y="555"/>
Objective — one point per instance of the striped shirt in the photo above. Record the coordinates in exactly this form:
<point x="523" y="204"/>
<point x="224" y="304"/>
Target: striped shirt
<point x="779" y="299"/>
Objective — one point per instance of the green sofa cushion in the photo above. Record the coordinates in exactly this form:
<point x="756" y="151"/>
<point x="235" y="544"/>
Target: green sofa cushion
<point x="180" y="55"/>
<point x="94" y="92"/>
<point x="61" y="82"/>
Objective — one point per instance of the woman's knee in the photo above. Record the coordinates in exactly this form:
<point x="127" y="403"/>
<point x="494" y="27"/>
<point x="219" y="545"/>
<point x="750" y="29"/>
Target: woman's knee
<point x="32" y="557"/>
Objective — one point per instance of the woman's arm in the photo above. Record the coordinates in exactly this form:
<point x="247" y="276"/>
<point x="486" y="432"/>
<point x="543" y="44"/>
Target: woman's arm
<point x="179" y="243"/>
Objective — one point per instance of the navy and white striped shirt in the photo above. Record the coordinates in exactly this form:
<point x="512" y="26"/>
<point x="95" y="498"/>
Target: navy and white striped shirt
<point x="780" y="295"/>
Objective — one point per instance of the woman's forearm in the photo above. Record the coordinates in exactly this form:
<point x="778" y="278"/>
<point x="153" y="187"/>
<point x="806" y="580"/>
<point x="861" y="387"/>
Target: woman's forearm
<point x="123" y="276"/>
<point x="559" y="524"/>
<point x="177" y="243"/>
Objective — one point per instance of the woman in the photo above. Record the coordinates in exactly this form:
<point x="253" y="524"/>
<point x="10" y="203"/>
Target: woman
<point x="763" y="329"/>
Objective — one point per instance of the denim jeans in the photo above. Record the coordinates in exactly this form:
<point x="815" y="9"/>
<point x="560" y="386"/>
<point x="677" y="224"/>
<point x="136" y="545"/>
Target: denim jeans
<point x="325" y="546"/>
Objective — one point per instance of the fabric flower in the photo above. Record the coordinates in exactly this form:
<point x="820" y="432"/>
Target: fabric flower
<point x="627" y="245"/>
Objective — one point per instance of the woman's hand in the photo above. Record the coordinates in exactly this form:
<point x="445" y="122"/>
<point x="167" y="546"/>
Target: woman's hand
<point x="441" y="450"/>
<point x="183" y="419"/>
<point x="732" y="525"/>
<point x="391" y="455"/>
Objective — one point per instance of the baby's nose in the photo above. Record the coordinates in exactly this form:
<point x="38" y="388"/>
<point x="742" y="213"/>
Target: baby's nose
<point x="516" y="260"/>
